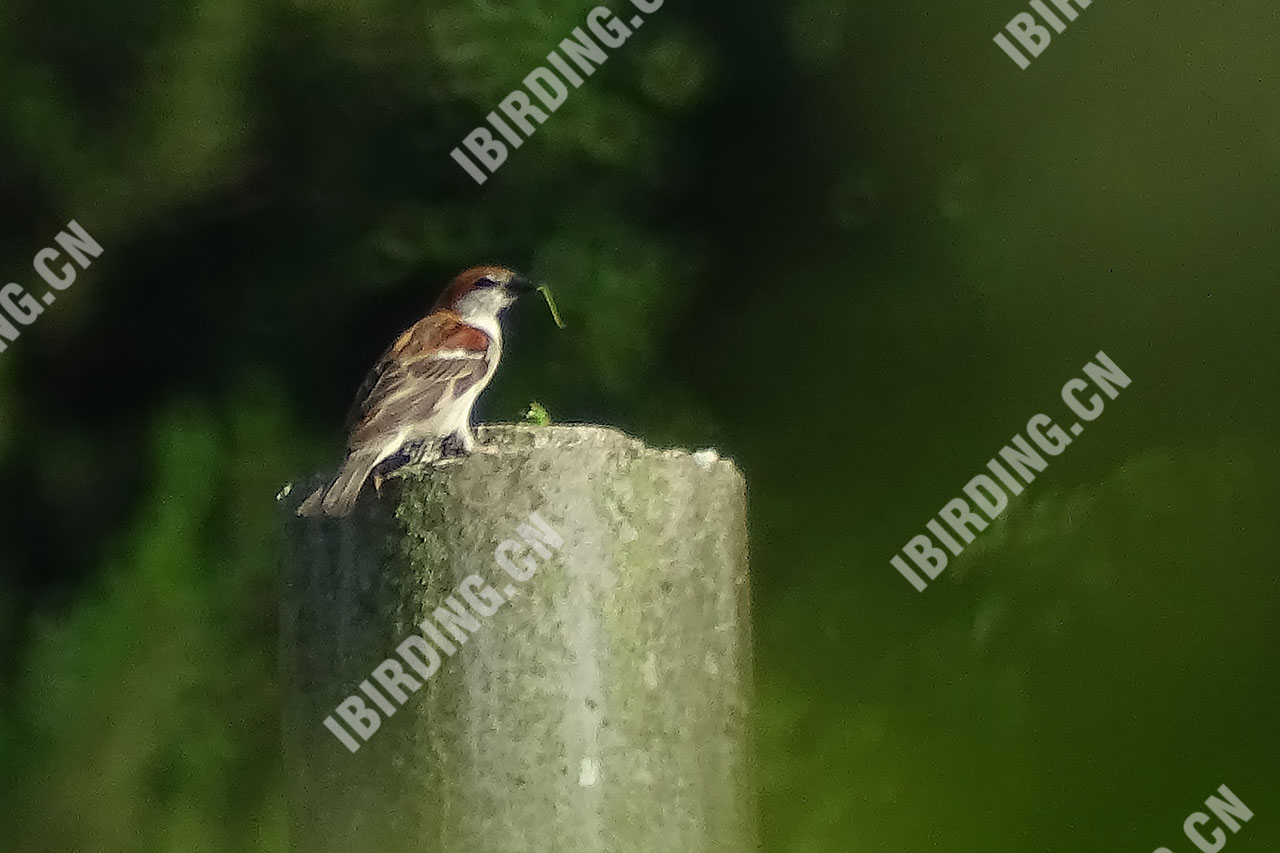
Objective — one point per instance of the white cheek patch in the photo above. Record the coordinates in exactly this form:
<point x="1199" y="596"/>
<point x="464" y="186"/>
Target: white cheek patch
<point x="484" y="303"/>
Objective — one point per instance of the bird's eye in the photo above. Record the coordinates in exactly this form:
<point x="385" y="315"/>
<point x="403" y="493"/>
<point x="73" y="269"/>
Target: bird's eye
<point x="486" y="282"/>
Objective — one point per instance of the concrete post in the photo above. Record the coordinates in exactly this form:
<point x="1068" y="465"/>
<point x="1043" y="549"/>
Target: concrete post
<point x="601" y="705"/>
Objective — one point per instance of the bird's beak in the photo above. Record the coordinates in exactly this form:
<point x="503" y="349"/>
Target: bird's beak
<point x="520" y="284"/>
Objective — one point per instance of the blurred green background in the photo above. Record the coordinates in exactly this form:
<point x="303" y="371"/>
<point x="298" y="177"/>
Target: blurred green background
<point x="853" y="247"/>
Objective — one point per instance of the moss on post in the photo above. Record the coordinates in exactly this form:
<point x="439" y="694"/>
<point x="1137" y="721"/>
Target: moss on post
<point x="602" y="707"/>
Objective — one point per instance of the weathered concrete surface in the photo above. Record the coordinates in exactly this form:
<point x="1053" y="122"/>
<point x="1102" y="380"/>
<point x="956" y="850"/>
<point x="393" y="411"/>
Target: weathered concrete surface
<point x="604" y="708"/>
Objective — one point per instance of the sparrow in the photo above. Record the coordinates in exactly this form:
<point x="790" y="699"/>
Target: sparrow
<point x="421" y="391"/>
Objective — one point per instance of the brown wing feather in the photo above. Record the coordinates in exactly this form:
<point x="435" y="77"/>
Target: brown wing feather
<point x="411" y="377"/>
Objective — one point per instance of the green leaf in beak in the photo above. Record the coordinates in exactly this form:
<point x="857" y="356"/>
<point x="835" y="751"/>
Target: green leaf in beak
<point x="551" y="303"/>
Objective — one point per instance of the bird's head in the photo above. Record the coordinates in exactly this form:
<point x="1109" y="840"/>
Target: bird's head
<point x="483" y="292"/>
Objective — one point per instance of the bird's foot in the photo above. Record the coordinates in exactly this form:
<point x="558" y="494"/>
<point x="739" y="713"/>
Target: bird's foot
<point x="457" y="444"/>
<point x="464" y="443"/>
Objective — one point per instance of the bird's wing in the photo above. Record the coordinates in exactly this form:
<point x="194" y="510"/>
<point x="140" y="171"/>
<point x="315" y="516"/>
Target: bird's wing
<point x="435" y="360"/>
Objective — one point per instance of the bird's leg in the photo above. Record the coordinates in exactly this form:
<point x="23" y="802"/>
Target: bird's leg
<point x="473" y="446"/>
<point x="467" y="437"/>
<point x="416" y="451"/>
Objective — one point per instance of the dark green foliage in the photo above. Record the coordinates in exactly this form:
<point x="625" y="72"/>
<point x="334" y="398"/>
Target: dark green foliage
<point x="853" y="248"/>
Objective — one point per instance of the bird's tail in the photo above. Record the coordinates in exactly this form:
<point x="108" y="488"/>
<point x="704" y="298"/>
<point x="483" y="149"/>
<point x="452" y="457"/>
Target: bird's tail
<point x="342" y="493"/>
